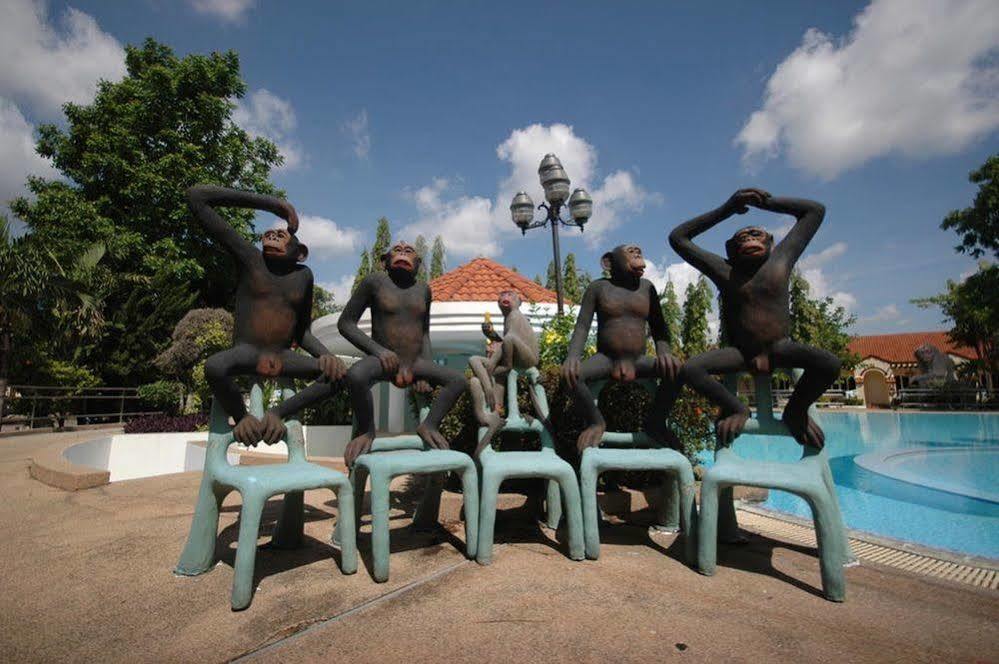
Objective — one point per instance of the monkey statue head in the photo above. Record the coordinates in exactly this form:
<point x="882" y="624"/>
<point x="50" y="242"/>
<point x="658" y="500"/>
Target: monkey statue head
<point x="282" y="246"/>
<point x="624" y="263"/>
<point x="401" y="260"/>
<point x="508" y="301"/>
<point x="749" y="247"/>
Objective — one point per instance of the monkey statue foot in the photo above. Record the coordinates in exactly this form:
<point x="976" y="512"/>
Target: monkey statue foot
<point x="358" y="446"/>
<point x="432" y="437"/>
<point x="729" y="427"/>
<point x="247" y="431"/>
<point x="590" y="436"/>
<point x="272" y="429"/>
<point x="802" y="427"/>
<point x="494" y="424"/>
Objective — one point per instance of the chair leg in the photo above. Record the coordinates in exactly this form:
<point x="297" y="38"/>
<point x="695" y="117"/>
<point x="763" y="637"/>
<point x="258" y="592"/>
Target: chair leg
<point x="470" y="495"/>
<point x="668" y="507"/>
<point x="829" y="537"/>
<point x="573" y="513"/>
<point x="588" y="476"/>
<point x="553" y="505"/>
<point x="348" y="535"/>
<point x="684" y="482"/>
<point x="290" y="528"/>
<point x="427" y="515"/>
<point x="199" y="552"/>
<point x="837" y="517"/>
<point x="246" y="550"/>
<point x="358" y="479"/>
<point x="707" y="527"/>
<point x="487" y="515"/>
<point x="728" y="523"/>
<point x="380" y="525"/>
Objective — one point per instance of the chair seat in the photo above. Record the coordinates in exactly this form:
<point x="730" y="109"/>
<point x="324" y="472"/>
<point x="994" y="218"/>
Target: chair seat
<point x="634" y="459"/>
<point x="281" y="477"/>
<point x="430" y="461"/>
<point x="524" y="464"/>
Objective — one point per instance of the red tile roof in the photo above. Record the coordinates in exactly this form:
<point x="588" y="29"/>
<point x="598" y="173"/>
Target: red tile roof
<point x="900" y="348"/>
<point x="482" y="280"/>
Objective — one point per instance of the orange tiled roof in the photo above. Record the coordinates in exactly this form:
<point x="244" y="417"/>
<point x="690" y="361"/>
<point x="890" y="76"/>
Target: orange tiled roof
<point x="899" y="348"/>
<point x="482" y="280"/>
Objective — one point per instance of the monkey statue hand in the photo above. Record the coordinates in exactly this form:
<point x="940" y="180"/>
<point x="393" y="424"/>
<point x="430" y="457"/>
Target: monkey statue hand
<point x="740" y="201"/>
<point x="667" y="366"/>
<point x="289" y="214"/>
<point x="390" y="362"/>
<point x="423" y="387"/>
<point x="403" y="377"/>
<point x="570" y="371"/>
<point x="623" y="371"/>
<point x="332" y="367"/>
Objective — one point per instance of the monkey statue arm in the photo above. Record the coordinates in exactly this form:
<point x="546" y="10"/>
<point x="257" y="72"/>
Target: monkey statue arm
<point x="809" y="215"/>
<point x="202" y="199"/>
<point x="667" y="366"/>
<point x="710" y="264"/>
<point x="490" y="331"/>
<point x="347" y="325"/>
<point x="570" y="369"/>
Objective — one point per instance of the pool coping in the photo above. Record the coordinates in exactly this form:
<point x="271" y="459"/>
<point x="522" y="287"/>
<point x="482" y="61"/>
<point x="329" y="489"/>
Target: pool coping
<point x="879" y="462"/>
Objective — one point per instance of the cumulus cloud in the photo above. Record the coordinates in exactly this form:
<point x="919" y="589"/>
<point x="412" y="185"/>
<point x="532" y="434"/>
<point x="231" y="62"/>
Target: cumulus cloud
<point x="357" y="130"/>
<point x="681" y="275"/>
<point x="230" y="11"/>
<point x="340" y="288"/>
<point x="325" y="235"/>
<point x="18" y="158"/>
<point x="263" y="113"/>
<point x="819" y="259"/>
<point x="476" y="225"/>
<point x="914" y="77"/>
<point x="811" y="267"/>
<point x="887" y="313"/>
<point x="47" y="63"/>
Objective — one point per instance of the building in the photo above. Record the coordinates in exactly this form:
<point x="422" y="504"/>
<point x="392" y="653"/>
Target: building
<point x="461" y="298"/>
<point x="888" y="361"/>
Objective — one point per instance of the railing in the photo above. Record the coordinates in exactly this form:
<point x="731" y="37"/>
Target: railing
<point x="26" y="405"/>
<point x="951" y="398"/>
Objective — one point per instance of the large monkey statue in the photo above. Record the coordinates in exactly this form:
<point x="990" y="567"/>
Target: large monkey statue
<point x="753" y="282"/>
<point x="273" y="311"/>
<point x="398" y="348"/>
<point x="626" y="306"/>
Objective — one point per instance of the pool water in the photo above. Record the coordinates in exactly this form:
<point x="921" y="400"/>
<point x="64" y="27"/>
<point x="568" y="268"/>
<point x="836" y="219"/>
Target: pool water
<point x="906" y="509"/>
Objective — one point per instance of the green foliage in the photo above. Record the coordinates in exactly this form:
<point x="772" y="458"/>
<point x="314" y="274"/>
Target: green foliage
<point x="554" y="339"/>
<point x="820" y="322"/>
<point x="438" y="258"/>
<point x="672" y="313"/>
<point x="162" y="395"/>
<point x="333" y="411"/>
<point x="574" y="280"/>
<point x="198" y="335"/>
<point x="550" y="281"/>
<point x="694" y="326"/>
<point x="363" y="270"/>
<point x="323" y="302"/>
<point x="383" y="242"/>
<point x="423" y="274"/>
<point x="978" y="225"/>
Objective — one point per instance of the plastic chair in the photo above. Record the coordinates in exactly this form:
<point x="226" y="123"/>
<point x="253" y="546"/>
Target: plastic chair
<point x="406" y="454"/>
<point x="545" y="463"/>
<point x="255" y="485"/>
<point x="810" y="478"/>
<point x="637" y="451"/>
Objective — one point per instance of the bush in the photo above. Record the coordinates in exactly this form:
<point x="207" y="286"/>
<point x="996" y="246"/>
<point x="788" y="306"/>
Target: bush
<point x="162" y="395"/>
<point x="167" y="423"/>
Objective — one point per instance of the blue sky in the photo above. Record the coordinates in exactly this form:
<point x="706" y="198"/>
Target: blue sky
<point x="432" y="114"/>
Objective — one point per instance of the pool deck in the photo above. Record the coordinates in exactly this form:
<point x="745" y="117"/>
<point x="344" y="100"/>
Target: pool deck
<point x="89" y="577"/>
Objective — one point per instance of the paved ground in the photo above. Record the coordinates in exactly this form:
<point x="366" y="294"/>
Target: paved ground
<point x="88" y="576"/>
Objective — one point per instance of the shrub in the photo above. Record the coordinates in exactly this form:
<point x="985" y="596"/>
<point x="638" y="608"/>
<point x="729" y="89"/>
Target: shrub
<point x="162" y="395"/>
<point x="167" y="423"/>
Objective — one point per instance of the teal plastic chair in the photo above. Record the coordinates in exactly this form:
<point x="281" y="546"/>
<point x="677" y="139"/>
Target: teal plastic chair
<point x="637" y="451"/>
<point x="406" y="454"/>
<point x="255" y="485"/>
<point x="810" y="478"/>
<point x="496" y="466"/>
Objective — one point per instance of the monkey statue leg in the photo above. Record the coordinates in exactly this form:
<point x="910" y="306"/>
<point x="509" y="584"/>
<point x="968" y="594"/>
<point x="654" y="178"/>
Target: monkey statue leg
<point x="662" y="404"/>
<point x="595" y="367"/>
<point x="487" y="418"/>
<point x="219" y="371"/>
<point x="697" y="373"/>
<point x="821" y="370"/>
<point x="482" y="371"/>
<point x="452" y="385"/>
<point x="360" y="377"/>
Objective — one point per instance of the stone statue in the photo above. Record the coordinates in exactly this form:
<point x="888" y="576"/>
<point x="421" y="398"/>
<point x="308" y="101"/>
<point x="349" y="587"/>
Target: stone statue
<point x="936" y="368"/>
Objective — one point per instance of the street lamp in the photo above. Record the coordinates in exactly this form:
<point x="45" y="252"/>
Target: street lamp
<point x="556" y="185"/>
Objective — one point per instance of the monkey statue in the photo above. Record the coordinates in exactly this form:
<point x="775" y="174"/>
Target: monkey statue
<point x="273" y="312"/>
<point x="753" y="282"/>
<point x="398" y="348"/>
<point x="626" y="305"/>
<point x="516" y="349"/>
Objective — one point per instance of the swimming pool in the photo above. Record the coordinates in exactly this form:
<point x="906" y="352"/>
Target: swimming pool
<point x="920" y="492"/>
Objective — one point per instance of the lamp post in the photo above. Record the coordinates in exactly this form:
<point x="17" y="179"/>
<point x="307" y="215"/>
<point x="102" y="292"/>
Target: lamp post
<point x="556" y="185"/>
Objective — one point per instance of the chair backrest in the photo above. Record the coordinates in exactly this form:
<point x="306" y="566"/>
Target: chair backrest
<point x="764" y="423"/>
<point x="539" y="399"/>
<point x="220" y="433"/>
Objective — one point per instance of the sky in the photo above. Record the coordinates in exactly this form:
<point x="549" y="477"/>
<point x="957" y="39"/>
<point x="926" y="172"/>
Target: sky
<point x="433" y="114"/>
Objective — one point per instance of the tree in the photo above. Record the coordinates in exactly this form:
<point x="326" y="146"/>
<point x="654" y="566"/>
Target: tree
<point x="363" y="270"/>
<point x="323" y="302"/>
<point x="537" y="280"/>
<point x="978" y="225"/>
<point x="694" y="326"/>
<point x="672" y="313"/>
<point x="438" y="264"/>
<point x="423" y="274"/>
<point x="570" y="279"/>
<point x="550" y="281"/>
<point x="383" y="242"/>
<point x="126" y="160"/>
<point x="820" y="322"/>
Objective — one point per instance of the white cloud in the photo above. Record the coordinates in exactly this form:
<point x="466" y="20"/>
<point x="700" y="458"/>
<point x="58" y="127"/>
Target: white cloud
<point x="262" y="113"/>
<point x="340" y="288"/>
<point x="914" y="77"/>
<point x="230" y="11"/>
<point x="321" y="234"/>
<point x="681" y="275"/>
<point x="889" y="312"/>
<point x="47" y="64"/>
<point x="475" y="225"/>
<point x="360" y="136"/>
<point x="18" y="158"/>
<point x="830" y="253"/>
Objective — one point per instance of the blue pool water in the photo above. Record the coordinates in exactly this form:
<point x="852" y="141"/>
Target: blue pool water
<point x="904" y="510"/>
